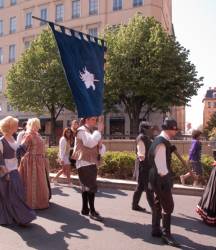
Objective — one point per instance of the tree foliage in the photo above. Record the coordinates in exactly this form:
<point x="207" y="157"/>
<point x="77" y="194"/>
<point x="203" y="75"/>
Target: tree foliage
<point x="211" y="126"/>
<point x="36" y="83"/>
<point x="147" y="68"/>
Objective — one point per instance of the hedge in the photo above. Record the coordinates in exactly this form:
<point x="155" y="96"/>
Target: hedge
<point x="120" y="165"/>
<point x="52" y="154"/>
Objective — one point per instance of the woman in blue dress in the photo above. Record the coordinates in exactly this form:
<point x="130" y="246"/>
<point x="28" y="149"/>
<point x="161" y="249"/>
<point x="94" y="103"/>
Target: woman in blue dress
<point x="13" y="209"/>
<point x="206" y="207"/>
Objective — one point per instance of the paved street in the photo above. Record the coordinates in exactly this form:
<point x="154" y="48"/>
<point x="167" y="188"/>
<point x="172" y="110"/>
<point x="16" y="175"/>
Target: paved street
<point x="61" y="227"/>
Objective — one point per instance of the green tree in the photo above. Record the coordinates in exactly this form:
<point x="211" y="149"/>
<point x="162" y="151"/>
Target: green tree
<point x="210" y="128"/>
<point x="36" y="83"/>
<point x="147" y="69"/>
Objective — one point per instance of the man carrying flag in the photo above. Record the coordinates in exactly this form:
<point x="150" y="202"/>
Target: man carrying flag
<point x="82" y="57"/>
<point x="87" y="151"/>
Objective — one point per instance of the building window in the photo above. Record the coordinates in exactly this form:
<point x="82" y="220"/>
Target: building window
<point x="137" y="3"/>
<point x="9" y="107"/>
<point x="12" y="24"/>
<point x="1" y="84"/>
<point x="27" y="44"/>
<point x="28" y="20"/>
<point x="13" y="2"/>
<point x="117" y="127"/>
<point x="59" y="12"/>
<point x="43" y="15"/>
<point x="93" y="31"/>
<point x="117" y="5"/>
<point x="1" y="27"/>
<point x="209" y="104"/>
<point x="75" y="8"/>
<point x="12" y="53"/>
<point x="1" y="55"/>
<point x="93" y="7"/>
<point x="1" y="3"/>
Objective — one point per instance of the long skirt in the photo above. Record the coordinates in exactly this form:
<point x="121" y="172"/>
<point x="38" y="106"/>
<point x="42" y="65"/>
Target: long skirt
<point x="33" y="170"/>
<point x="13" y="208"/>
<point x="206" y="208"/>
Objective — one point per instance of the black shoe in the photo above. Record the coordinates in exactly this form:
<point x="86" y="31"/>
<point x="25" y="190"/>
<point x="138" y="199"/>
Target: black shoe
<point x="157" y="233"/>
<point x="138" y="208"/>
<point x="95" y="216"/>
<point x="85" y="211"/>
<point x="169" y="240"/>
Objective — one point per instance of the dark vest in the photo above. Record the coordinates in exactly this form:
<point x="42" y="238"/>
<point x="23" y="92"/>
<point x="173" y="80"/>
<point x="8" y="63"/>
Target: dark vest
<point x="151" y="155"/>
<point x="8" y="152"/>
<point x="147" y="142"/>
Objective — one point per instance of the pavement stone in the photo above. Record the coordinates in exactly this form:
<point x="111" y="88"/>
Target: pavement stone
<point x="62" y="227"/>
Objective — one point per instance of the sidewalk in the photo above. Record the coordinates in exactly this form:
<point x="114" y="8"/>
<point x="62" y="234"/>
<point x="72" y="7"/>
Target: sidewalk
<point x="130" y="185"/>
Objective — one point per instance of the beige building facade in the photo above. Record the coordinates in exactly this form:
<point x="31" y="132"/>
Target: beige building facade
<point x="18" y="29"/>
<point x="209" y="105"/>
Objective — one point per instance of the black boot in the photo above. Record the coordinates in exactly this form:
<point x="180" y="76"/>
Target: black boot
<point x="93" y="214"/>
<point x="85" y="209"/>
<point x="136" y="198"/>
<point x="156" y="217"/>
<point x="150" y="198"/>
<point x="166" y="234"/>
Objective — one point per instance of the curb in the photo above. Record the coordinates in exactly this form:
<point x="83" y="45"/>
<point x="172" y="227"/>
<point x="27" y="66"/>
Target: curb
<point x="131" y="185"/>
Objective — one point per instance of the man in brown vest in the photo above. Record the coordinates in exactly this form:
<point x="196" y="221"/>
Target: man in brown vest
<point x="87" y="151"/>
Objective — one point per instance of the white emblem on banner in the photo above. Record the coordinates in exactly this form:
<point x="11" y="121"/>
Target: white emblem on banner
<point x="88" y="78"/>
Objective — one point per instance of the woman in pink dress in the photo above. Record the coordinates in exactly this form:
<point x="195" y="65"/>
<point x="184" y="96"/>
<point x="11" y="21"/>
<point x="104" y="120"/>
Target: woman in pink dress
<point x="34" y="167"/>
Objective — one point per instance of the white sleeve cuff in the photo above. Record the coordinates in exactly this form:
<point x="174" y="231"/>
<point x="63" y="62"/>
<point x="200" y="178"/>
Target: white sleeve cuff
<point x="102" y="150"/>
<point x="96" y="135"/>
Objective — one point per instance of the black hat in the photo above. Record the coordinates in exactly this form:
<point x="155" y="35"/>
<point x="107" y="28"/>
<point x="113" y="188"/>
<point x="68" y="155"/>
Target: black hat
<point x="143" y="126"/>
<point x="169" y="124"/>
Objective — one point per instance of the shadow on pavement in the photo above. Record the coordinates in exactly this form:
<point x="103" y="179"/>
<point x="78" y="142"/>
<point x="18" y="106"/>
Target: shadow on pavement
<point x="193" y="224"/>
<point x="188" y="244"/>
<point x="58" y="190"/>
<point x="105" y="193"/>
<point x="139" y="231"/>
<point x="37" y="237"/>
<point x="133" y="230"/>
<point x="110" y="193"/>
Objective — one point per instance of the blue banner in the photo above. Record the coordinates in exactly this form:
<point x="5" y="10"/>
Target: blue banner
<point x="83" y="61"/>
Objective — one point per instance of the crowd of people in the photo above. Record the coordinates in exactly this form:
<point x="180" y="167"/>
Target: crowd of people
<point x="24" y="171"/>
<point x="24" y="168"/>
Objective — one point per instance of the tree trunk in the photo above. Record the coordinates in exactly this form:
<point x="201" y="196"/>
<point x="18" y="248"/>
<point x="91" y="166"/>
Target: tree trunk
<point x="53" y="126"/>
<point x="134" y="125"/>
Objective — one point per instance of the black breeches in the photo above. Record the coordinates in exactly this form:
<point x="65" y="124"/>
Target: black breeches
<point x="164" y="201"/>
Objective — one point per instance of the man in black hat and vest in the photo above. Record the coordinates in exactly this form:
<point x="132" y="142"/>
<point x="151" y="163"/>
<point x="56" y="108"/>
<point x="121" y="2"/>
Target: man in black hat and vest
<point x="161" y="181"/>
<point x="143" y="143"/>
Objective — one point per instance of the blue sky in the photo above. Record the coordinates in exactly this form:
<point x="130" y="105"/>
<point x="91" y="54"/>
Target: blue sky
<point x="194" y="24"/>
